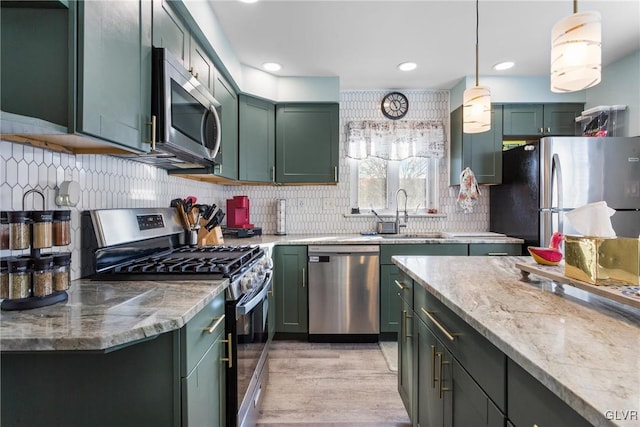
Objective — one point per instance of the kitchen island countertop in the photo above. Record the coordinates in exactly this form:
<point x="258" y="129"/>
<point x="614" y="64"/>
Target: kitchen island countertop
<point x="102" y="315"/>
<point x="584" y="348"/>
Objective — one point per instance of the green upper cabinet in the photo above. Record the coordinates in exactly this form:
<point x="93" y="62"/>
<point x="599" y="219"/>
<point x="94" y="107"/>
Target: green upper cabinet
<point x="227" y="158"/>
<point x="541" y="119"/>
<point x="114" y="71"/>
<point x="482" y="152"/>
<point x="170" y="32"/>
<point x="290" y="270"/>
<point x="307" y="141"/>
<point x="256" y="139"/>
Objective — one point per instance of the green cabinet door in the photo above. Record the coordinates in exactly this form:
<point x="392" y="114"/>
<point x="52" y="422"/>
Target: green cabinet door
<point x="523" y="119"/>
<point x="203" y="391"/>
<point x="290" y="269"/>
<point x="256" y="139"/>
<point x="559" y="119"/>
<point x="200" y="65"/>
<point x="389" y="299"/>
<point x="429" y="357"/>
<point x="482" y="152"/>
<point x="170" y="32"/>
<point x="227" y="157"/>
<point x="406" y="354"/>
<point x="307" y="140"/>
<point x="114" y="71"/>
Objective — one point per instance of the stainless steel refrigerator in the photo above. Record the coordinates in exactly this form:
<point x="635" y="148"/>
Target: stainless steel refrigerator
<point x="543" y="180"/>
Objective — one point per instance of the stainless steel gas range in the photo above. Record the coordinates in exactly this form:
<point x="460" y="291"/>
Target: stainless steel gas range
<point x="149" y="244"/>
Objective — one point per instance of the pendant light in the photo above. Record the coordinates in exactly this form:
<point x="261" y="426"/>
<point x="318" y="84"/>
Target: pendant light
<point x="576" y="54"/>
<point x="476" y="101"/>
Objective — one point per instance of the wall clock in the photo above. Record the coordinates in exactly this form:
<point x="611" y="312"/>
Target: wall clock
<point x="395" y="105"/>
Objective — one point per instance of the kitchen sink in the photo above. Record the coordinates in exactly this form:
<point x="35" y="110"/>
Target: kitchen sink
<point x="434" y="235"/>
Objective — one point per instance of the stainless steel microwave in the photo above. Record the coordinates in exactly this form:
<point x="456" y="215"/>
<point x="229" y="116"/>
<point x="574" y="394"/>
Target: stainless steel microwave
<point x="187" y="116"/>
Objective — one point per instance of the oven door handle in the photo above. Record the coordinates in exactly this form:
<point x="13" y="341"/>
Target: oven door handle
<point x="259" y="297"/>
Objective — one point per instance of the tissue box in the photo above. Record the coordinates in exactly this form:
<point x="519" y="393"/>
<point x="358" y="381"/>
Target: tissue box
<point x="597" y="260"/>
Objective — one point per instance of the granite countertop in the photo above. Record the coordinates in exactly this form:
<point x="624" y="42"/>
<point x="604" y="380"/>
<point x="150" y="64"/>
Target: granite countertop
<point x="100" y="315"/>
<point x="584" y="348"/>
<point x="382" y="239"/>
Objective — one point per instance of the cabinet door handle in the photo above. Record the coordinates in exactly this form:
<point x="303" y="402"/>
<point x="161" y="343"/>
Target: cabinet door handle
<point x="497" y="253"/>
<point x="191" y="70"/>
<point x="442" y="388"/>
<point x="335" y="174"/>
<point x="434" y="380"/>
<point x="541" y="130"/>
<point x="548" y="130"/>
<point x="213" y="327"/>
<point x="448" y="334"/>
<point x="304" y="280"/>
<point x="273" y="174"/>
<point x="400" y="285"/>
<point x="152" y="123"/>
<point x="405" y="315"/>
<point x="229" y="358"/>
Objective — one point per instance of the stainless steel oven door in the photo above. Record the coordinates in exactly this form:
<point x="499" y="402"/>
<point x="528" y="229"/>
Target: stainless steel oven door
<point x="252" y="323"/>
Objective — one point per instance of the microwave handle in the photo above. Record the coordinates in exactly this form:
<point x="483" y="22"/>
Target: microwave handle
<point x="211" y="110"/>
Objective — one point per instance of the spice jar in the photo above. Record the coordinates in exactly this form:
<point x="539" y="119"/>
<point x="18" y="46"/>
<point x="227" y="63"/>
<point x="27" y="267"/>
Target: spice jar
<point x="4" y="230"/>
<point x="61" y="228"/>
<point x="4" y="279"/>
<point x="61" y="271"/>
<point x="19" y="278"/>
<point x="43" y="276"/>
<point x="19" y="229"/>
<point x="42" y="229"/>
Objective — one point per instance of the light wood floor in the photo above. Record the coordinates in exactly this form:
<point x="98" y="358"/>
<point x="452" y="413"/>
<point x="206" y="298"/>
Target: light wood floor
<point x="314" y="384"/>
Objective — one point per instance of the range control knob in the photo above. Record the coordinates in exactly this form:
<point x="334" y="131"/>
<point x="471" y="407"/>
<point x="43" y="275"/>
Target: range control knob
<point x="247" y="282"/>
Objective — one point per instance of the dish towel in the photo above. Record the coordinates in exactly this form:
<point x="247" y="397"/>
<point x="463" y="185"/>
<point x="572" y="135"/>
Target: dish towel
<point x="469" y="191"/>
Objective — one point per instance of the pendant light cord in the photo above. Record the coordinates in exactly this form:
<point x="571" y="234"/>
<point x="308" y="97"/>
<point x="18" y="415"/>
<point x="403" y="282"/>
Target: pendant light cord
<point x="477" y="25"/>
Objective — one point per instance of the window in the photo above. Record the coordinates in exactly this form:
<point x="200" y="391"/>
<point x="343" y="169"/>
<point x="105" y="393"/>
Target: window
<point x="374" y="183"/>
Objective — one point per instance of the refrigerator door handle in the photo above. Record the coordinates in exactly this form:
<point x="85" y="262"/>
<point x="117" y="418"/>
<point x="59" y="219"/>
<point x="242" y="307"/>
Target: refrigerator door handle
<point x="556" y="177"/>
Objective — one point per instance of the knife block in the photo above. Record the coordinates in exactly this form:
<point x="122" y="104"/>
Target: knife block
<point x="210" y="238"/>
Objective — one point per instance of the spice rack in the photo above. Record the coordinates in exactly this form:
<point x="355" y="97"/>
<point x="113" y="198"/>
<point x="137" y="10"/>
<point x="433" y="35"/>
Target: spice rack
<point x="36" y="280"/>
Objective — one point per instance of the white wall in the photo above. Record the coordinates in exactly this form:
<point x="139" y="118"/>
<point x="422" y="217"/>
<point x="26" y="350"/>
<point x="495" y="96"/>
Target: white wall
<point x="620" y="85"/>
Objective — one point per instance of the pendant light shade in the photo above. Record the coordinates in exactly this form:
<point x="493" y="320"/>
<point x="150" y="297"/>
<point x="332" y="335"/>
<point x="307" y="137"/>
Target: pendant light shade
<point x="476" y="101"/>
<point x="576" y="54"/>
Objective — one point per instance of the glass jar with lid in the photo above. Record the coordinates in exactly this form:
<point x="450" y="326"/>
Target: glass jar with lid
<point x="4" y="230"/>
<point x="61" y="228"/>
<point x="4" y="278"/>
<point x="19" y="229"/>
<point x="42" y="276"/>
<point x="42" y="229"/>
<point x="19" y="278"/>
<point x="61" y="272"/>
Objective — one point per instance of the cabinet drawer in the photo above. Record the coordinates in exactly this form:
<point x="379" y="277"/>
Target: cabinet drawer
<point x="387" y="251"/>
<point x="484" y="361"/>
<point x="531" y="403"/>
<point x="195" y="337"/>
<point x="406" y="292"/>
<point x="495" y="249"/>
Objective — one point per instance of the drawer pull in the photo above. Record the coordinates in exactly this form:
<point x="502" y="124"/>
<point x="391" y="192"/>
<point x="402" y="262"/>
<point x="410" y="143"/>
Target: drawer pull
<point x="442" y="328"/>
<point x="404" y="324"/>
<point x="434" y="380"/>
<point x="442" y="388"/>
<point x="304" y="278"/>
<point x="400" y="285"/>
<point x="213" y="327"/>
<point x="229" y="358"/>
<point x="497" y="253"/>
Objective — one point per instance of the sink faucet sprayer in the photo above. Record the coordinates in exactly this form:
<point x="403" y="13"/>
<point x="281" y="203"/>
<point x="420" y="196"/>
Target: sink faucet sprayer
<point x="406" y="214"/>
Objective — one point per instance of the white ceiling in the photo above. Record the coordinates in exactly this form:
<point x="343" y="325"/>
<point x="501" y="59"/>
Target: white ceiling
<point x="363" y="41"/>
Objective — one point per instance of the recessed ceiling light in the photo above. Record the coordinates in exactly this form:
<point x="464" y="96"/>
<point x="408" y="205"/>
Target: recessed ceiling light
<point x="503" y="65"/>
<point x="271" y="66"/>
<point x="248" y="1"/>
<point x="407" y="66"/>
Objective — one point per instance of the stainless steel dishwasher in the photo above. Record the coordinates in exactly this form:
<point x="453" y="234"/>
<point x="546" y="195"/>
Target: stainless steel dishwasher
<point x="344" y="293"/>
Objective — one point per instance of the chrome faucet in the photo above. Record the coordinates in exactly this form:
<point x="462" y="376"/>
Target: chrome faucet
<point x="406" y="214"/>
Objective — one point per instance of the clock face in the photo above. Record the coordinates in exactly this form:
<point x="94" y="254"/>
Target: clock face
<point x="395" y="105"/>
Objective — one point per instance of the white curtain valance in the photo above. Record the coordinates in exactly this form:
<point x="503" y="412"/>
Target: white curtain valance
<point x="395" y="140"/>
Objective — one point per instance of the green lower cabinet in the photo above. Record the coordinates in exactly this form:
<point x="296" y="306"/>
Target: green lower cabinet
<point x="406" y="370"/>
<point x="389" y="299"/>
<point x="495" y="249"/>
<point x="290" y="270"/>
<point x="203" y="391"/>
<point x="531" y="403"/>
<point x="430" y="409"/>
<point x="272" y="310"/>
